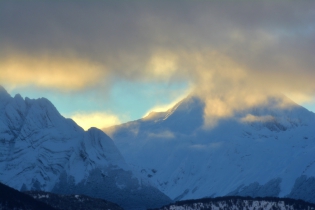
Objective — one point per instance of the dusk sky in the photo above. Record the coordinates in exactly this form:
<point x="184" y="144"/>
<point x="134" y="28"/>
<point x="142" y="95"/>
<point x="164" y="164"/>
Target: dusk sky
<point x="108" y="62"/>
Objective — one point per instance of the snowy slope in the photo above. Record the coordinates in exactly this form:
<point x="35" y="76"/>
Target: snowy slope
<point x="267" y="150"/>
<point x="41" y="150"/>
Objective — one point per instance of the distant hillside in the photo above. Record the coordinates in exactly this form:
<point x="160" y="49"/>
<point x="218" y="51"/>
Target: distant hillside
<point x="240" y="203"/>
<point x="13" y="199"/>
<point x="73" y="202"/>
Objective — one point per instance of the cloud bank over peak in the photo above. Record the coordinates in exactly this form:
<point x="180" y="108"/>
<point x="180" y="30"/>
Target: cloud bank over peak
<point x="229" y="52"/>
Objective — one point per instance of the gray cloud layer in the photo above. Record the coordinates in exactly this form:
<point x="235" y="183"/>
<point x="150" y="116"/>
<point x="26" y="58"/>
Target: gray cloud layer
<point x="218" y="46"/>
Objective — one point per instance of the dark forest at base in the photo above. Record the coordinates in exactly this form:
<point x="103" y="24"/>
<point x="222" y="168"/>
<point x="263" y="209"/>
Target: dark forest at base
<point x="238" y="201"/>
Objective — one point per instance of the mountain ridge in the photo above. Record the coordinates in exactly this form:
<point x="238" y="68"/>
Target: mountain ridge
<point x="266" y="150"/>
<point x="41" y="150"/>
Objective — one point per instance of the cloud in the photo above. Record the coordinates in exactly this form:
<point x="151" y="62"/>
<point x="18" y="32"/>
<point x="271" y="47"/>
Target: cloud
<point x="301" y="97"/>
<point x="234" y="53"/>
<point x="50" y="72"/>
<point x="162" y="135"/>
<point x="132" y="127"/>
<point x="163" y="64"/>
<point x="214" y="145"/>
<point x="95" y="119"/>
<point x="253" y="118"/>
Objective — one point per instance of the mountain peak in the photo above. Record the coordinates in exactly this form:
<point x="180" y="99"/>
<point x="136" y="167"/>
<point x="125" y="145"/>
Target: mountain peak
<point x="178" y="152"/>
<point x="3" y="91"/>
<point x="59" y="156"/>
<point x="2" y="88"/>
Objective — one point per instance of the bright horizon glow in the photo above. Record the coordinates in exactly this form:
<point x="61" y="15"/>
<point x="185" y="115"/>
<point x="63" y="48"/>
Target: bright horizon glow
<point x="104" y="119"/>
<point x="88" y="108"/>
<point x="96" y="119"/>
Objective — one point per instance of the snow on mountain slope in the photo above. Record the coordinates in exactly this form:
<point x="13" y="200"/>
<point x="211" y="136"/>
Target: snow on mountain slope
<point x="267" y="150"/>
<point x="41" y="150"/>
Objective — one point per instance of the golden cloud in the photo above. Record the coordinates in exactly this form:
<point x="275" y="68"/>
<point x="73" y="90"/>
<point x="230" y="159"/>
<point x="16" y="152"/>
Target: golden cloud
<point x="61" y="73"/>
<point x="163" y="64"/>
<point x="227" y="85"/>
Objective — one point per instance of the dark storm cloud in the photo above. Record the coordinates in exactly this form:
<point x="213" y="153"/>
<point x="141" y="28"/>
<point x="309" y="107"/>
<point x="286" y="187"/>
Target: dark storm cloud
<point x="101" y="26"/>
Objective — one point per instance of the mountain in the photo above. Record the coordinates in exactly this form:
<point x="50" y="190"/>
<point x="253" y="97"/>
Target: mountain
<point x="13" y="199"/>
<point x="41" y="150"/>
<point x="265" y="150"/>
<point x="240" y="203"/>
<point x="72" y="202"/>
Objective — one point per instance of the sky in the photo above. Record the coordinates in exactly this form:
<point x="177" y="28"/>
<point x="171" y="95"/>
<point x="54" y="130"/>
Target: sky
<point x="108" y="62"/>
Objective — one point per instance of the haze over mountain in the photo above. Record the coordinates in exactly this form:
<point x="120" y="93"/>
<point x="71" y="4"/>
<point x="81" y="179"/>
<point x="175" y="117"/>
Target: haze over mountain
<point x="263" y="150"/>
<point x="41" y="150"/>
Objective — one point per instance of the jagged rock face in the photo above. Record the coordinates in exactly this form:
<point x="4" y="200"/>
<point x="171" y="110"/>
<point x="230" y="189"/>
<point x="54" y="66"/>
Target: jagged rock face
<point x="39" y="149"/>
<point x="265" y="150"/>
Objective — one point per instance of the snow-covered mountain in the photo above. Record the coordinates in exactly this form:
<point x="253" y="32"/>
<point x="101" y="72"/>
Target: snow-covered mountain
<point x="41" y="150"/>
<point x="265" y="150"/>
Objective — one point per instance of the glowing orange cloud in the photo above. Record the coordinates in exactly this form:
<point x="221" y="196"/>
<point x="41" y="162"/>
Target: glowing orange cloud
<point x="52" y="72"/>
